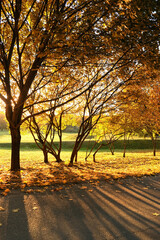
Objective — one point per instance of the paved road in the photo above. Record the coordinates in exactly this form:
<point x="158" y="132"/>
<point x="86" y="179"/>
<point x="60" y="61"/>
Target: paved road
<point x="125" y="210"/>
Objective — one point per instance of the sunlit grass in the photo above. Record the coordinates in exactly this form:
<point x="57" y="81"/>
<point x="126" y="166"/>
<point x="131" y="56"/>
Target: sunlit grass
<point x="36" y="173"/>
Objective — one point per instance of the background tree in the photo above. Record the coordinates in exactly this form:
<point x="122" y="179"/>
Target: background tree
<point x="140" y="103"/>
<point x="106" y="133"/>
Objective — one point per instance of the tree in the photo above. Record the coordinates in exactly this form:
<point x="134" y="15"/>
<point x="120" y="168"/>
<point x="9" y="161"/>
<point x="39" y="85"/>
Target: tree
<point x="43" y="129"/>
<point x="94" y="102"/>
<point x="38" y="36"/>
<point x="106" y="133"/>
<point x="140" y="105"/>
<point x="148" y="113"/>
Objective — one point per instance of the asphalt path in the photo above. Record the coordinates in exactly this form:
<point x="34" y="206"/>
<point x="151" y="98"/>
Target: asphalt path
<point x="127" y="209"/>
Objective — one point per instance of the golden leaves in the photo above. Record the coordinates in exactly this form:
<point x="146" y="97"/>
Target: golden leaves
<point x="2" y="209"/>
<point x="5" y="192"/>
<point x="39" y="177"/>
<point x="35" y="208"/>
<point x="156" y="214"/>
<point x="16" y="210"/>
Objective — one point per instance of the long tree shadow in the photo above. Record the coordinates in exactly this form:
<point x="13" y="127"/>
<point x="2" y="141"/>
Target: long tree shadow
<point x="113" y="212"/>
<point x="17" y="222"/>
<point x="86" y="212"/>
<point x="16" y="219"/>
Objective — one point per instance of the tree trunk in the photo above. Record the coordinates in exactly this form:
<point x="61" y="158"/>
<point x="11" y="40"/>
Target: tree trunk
<point x="72" y="157"/>
<point x="124" y="144"/>
<point x="111" y="147"/>
<point x="74" y="153"/>
<point x="58" y="158"/>
<point x="15" y="155"/>
<point x="154" y="145"/>
<point x="154" y="152"/>
<point x="45" y="153"/>
<point x="94" y="154"/>
<point x="76" y="157"/>
<point x="124" y="151"/>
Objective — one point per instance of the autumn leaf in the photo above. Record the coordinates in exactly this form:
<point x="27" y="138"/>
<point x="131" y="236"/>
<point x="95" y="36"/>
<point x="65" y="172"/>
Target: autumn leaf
<point x="5" y="192"/>
<point x="156" y="214"/>
<point x="2" y="209"/>
<point x="35" y="208"/>
<point x="29" y="191"/>
<point x="83" y="187"/>
<point x="57" y="189"/>
<point x="15" y="210"/>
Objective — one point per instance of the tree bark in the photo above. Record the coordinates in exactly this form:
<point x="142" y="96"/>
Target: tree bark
<point x="94" y="155"/>
<point x="15" y="155"/>
<point x="45" y="153"/>
<point x="74" y="153"/>
<point x="154" y="144"/>
<point x="111" y="147"/>
<point x="124" y="144"/>
<point x="58" y="158"/>
<point x="76" y="157"/>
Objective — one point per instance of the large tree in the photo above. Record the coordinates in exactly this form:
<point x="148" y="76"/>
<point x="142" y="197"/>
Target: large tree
<point x="37" y="37"/>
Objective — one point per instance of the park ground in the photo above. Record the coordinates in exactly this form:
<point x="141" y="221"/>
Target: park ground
<point x="38" y="176"/>
<point x="113" y="198"/>
<point x="123" y="209"/>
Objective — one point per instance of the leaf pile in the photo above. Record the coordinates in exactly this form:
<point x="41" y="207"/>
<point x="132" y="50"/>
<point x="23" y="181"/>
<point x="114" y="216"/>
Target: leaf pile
<point x="44" y="175"/>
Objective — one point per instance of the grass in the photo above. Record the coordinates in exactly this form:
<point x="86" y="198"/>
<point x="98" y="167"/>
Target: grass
<point x="139" y="161"/>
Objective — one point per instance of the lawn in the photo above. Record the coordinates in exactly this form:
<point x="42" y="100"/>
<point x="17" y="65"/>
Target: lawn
<point x="139" y="161"/>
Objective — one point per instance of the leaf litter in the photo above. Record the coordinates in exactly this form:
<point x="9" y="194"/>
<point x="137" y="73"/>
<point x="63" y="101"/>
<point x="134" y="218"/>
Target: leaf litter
<point x="39" y="176"/>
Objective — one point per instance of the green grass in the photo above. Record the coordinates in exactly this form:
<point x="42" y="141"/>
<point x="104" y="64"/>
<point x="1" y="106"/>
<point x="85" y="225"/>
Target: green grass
<point x="27" y="143"/>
